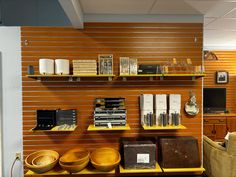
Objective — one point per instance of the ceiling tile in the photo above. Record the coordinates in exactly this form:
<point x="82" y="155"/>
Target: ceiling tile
<point x="220" y="9"/>
<point x="203" y="6"/>
<point x="231" y="14"/>
<point x="173" y="7"/>
<point x="208" y="20"/>
<point x="222" y="24"/>
<point x="116" y="6"/>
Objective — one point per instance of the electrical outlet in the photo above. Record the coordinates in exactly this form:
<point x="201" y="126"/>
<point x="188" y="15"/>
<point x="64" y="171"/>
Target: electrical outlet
<point x="18" y="155"/>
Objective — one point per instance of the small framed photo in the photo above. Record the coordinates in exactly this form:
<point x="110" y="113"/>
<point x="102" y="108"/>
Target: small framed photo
<point x="222" y="77"/>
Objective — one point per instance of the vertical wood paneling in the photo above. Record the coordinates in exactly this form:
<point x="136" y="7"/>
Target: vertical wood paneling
<point x="149" y="42"/>
<point x="226" y="62"/>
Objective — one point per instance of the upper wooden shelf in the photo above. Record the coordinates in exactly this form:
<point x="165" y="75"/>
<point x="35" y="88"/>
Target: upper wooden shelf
<point x="115" y="128"/>
<point x="151" y="170"/>
<point x="162" y="76"/>
<point x="70" y="77"/>
<point x="155" y="127"/>
<point x="45" y="76"/>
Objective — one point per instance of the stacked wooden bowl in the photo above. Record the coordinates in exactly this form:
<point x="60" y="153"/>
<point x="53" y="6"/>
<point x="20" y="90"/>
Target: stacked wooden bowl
<point x="105" y="159"/>
<point x="42" y="161"/>
<point x="75" y="160"/>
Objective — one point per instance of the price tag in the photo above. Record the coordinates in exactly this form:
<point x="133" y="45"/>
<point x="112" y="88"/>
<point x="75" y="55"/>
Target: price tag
<point x="143" y="158"/>
<point x="109" y="125"/>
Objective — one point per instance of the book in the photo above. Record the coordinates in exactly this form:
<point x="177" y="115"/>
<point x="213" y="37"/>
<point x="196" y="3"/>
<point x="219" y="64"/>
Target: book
<point x="124" y="65"/>
<point x="133" y="66"/>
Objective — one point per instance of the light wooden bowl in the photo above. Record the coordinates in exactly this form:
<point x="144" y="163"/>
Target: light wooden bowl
<point x="74" y="168"/>
<point x="105" y="159"/>
<point x="43" y="160"/>
<point x="75" y="156"/>
<point x="43" y="168"/>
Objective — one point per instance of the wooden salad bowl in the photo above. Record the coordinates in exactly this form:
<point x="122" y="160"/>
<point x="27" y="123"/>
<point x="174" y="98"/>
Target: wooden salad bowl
<point x="47" y="158"/>
<point x="105" y="159"/>
<point x="74" y="168"/>
<point x="75" y="156"/>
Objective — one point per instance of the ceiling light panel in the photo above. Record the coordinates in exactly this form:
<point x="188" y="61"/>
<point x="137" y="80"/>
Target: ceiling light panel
<point x="116" y="6"/>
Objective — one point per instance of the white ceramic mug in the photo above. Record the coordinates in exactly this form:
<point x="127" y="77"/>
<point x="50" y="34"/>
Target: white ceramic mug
<point x="62" y="66"/>
<point x="46" y="66"/>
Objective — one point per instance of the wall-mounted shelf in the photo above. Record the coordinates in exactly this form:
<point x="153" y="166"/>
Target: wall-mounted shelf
<point x="71" y="77"/>
<point x="89" y="170"/>
<point x="155" y="127"/>
<point x="151" y="170"/>
<point x="56" y="129"/>
<point x="174" y="170"/>
<point x="194" y="76"/>
<point x="116" y="128"/>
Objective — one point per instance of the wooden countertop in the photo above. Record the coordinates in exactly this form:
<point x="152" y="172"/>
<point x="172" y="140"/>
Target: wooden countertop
<point x="220" y="115"/>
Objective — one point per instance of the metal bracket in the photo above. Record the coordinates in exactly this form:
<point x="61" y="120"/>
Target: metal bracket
<point x="78" y="79"/>
<point x="193" y="77"/>
<point x="39" y="79"/>
<point x="124" y="78"/>
<point x="161" y="78"/>
<point x="151" y="78"/>
<point x="109" y="78"/>
<point x="70" y="79"/>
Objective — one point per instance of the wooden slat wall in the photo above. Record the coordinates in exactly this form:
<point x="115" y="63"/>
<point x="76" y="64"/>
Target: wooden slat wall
<point x="226" y="62"/>
<point x="149" y="42"/>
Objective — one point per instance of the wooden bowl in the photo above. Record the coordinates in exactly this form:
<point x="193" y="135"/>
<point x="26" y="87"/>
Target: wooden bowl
<point x="75" y="156"/>
<point x="74" y="168"/>
<point x="43" y="160"/>
<point x="105" y="159"/>
<point x="43" y="168"/>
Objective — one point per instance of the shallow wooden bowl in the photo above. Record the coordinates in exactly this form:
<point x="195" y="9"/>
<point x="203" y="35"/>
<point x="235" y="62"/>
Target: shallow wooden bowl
<point x="74" y="168"/>
<point x="43" y="160"/>
<point x="43" y="168"/>
<point x="75" y="156"/>
<point x="105" y="159"/>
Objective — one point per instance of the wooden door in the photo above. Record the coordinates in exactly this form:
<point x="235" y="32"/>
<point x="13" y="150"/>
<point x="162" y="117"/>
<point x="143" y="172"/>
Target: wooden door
<point x="220" y="131"/>
<point x="231" y="124"/>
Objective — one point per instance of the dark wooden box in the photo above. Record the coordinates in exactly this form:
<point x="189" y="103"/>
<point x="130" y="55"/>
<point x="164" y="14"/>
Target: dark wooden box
<point x="137" y="154"/>
<point x="178" y="152"/>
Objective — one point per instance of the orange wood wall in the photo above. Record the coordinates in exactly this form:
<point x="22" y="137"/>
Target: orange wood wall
<point x="149" y="42"/>
<point x="226" y="62"/>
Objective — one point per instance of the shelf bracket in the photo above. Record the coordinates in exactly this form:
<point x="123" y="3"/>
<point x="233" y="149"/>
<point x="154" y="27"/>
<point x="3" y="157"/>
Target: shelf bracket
<point x="109" y="78"/>
<point x="161" y="78"/>
<point x="124" y="78"/>
<point x="78" y="79"/>
<point x="151" y="78"/>
<point x="39" y="79"/>
<point x="193" y="77"/>
<point x="70" y="79"/>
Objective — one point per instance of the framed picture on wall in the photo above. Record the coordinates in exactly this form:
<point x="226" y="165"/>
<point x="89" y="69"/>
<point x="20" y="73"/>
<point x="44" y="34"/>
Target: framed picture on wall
<point x="222" y="77"/>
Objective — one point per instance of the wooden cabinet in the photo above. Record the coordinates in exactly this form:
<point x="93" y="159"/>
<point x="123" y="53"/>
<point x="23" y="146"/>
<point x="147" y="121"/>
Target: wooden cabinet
<point x="216" y="126"/>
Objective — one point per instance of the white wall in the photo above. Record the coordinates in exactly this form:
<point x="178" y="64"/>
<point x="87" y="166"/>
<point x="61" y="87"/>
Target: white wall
<point x="10" y="47"/>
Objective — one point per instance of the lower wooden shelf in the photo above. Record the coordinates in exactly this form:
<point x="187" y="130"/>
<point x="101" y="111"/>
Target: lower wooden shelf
<point x="152" y="170"/>
<point x="173" y="170"/>
<point x="115" y="128"/>
<point x="58" y="171"/>
<point x="155" y="127"/>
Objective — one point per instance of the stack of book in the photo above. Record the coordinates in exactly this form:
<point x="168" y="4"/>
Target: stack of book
<point x="84" y="67"/>
<point x="128" y="66"/>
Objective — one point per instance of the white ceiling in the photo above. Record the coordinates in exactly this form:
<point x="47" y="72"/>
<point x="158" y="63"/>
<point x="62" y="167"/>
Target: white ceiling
<point x="219" y="15"/>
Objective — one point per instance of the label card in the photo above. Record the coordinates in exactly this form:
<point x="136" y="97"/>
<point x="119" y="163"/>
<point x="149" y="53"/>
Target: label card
<point x="143" y="158"/>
